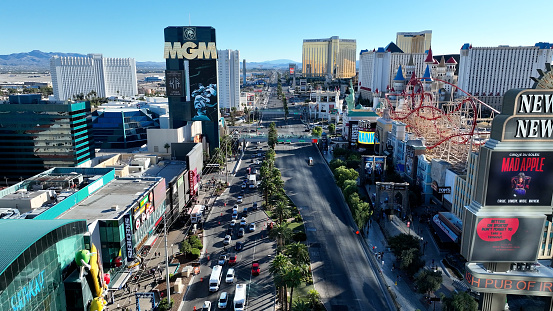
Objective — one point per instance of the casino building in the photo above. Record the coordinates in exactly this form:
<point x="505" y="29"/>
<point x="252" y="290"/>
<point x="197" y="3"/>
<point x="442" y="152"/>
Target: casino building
<point x="36" y="261"/>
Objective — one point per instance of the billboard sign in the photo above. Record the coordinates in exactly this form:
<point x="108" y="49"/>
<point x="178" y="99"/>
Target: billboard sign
<point x="174" y="83"/>
<point x="524" y="284"/>
<point x="128" y="237"/>
<point x="520" y="178"/>
<point x="507" y="239"/>
<point x="292" y="70"/>
<point x="366" y="138"/>
<point x="203" y="88"/>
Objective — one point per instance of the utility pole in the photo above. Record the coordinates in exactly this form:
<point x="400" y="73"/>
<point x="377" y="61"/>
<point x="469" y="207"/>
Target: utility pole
<point x="166" y="259"/>
<point x="226" y="165"/>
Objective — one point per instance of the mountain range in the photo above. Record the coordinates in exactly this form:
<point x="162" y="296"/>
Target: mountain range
<point x="40" y="61"/>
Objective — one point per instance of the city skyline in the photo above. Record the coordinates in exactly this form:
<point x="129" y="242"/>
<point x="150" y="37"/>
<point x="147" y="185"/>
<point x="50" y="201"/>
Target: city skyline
<point x="274" y="31"/>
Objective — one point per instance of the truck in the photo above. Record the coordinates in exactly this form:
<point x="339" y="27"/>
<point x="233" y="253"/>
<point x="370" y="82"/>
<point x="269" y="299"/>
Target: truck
<point x="215" y="278"/>
<point x="197" y="213"/>
<point x="252" y="178"/>
<point x="240" y="297"/>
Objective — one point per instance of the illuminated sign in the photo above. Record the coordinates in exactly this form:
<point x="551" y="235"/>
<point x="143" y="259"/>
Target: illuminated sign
<point x="507" y="239"/>
<point x="174" y="83"/>
<point x="520" y="178"/>
<point x="24" y="295"/>
<point x="366" y="138"/>
<point x="190" y="50"/>
<point x="506" y="284"/>
<point x="292" y="70"/>
<point x="527" y="115"/>
<point x="192" y="181"/>
<point x="128" y="237"/>
<point x="354" y="134"/>
<point x="444" y="190"/>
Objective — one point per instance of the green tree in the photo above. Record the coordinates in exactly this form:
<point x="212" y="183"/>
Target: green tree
<point x="335" y="163"/>
<point x="301" y="305"/>
<point x="403" y="241"/>
<point x="186" y="248"/>
<point x="281" y="211"/>
<point x="276" y="268"/>
<point x="281" y="233"/>
<point x="332" y="129"/>
<point x="292" y="276"/>
<point x="428" y="281"/>
<point x="299" y="255"/>
<point x="462" y="301"/>
<point x="350" y="187"/>
<point x="314" y="299"/>
<point x="342" y="174"/>
<point x="165" y="305"/>
<point x="410" y="261"/>
<point x="272" y="135"/>
<point x="317" y="131"/>
<point x="232" y="116"/>
<point x="166" y="146"/>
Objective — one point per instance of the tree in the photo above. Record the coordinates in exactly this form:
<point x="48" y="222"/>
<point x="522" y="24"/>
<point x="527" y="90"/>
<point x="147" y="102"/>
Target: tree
<point x="292" y="277"/>
<point x="332" y="128"/>
<point x="462" y="301"/>
<point x="281" y="211"/>
<point x="403" y="241"/>
<point x="335" y="163"/>
<point x="314" y="299"/>
<point x="165" y="305"/>
<point x="317" y="131"/>
<point x="166" y="146"/>
<point x="428" y="281"/>
<point x="276" y="268"/>
<point x="281" y="233"/>
<point x="232" y="116"/>
<point x="299" y="255"/>
<point x="301" y="305"/>
<point x="410" y="261"/>
<point x="342" y="174"/>
<point x="272" y="136"/>
<point x="247" y="114"/>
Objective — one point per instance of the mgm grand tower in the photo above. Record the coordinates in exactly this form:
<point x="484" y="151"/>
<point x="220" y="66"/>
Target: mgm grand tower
<point x="191" y="79"/>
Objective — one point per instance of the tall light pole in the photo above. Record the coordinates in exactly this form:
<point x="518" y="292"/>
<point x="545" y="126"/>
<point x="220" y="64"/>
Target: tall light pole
<point x="166" y="259"/>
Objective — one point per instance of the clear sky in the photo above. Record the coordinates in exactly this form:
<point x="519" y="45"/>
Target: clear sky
<point x="265" y="30"/>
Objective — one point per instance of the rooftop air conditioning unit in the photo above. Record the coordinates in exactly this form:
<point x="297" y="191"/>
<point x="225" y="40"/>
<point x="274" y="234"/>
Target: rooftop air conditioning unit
<point x="114" y="207"/>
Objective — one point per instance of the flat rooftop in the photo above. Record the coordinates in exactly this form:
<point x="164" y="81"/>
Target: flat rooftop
<point x="168" y="171"/>
<point x="122" y="192"/>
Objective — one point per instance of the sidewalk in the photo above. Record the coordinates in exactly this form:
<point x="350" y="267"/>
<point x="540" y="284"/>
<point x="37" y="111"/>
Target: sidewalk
<point x="395" y="280"/>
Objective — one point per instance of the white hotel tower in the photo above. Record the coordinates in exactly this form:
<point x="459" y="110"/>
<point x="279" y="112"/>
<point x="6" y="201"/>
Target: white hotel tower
<point x="488" y="72"/>
<point x="105" y="76"/>
<point x="228" y="68"/>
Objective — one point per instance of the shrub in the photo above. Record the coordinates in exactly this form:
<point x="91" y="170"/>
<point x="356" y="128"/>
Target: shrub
<point x="164" y="305"/>
<point x="195" y="253"/>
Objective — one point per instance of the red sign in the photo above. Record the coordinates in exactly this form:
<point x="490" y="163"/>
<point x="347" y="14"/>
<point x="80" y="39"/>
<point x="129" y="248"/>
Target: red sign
<point x="292" y="70"/>
<point x="192" y="181"/>
<point x="314" y="140"/>
<point x="497" y="229"/>
<point x="500" y="284"/>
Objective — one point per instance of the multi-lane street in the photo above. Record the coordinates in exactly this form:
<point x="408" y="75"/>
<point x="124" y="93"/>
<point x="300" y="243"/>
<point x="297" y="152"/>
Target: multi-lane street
<point x="257" y="246"/>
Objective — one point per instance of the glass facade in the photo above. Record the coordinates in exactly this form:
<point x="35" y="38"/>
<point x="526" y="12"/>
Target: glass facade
<point x="37" y="135"/>
<point x="122" y="129"/>
<point x="33" y="282"/>
<point x="112" y="235"/>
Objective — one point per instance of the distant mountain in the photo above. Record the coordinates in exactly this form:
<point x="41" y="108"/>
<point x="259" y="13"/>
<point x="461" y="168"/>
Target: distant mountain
<point x="40" y="61"/>
<point x="34" y="60"/>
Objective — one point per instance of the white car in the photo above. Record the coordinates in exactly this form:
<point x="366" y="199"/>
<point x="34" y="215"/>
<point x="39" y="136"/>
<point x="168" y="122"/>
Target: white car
<point x="206" y="306"/>
<point x="227" y="240"/>
<point x="233" y="223"/>
<point x="230" y="276"/>
<point x="223" y="299"/>
<point x="234" y="215"/>
<point x="235" y="207"/>
<point x="243" y="221"/>
<point x="243" y="186"/>
<point x="251" y="227"/>
<point x="239" y="199"/>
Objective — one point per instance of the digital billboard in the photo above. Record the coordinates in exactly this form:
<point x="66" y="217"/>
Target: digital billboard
<point x="507" y="239"/>
<point x="520" y="179"/>
<point x="203" y="90"/>
<point x="366" y="138"/>
<point x="174" y="83"/>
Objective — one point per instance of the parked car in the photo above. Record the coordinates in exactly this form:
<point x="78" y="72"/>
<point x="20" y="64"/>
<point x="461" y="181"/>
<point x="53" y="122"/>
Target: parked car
<point x="251" y="227"/>
<point x="255" y="268"/>
<point x="230" y="276"/>
<point x="227" y="240"/>
<point x="223" y="299"/>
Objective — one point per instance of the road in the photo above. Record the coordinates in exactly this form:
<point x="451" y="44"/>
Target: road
<point x="261" y="290"/>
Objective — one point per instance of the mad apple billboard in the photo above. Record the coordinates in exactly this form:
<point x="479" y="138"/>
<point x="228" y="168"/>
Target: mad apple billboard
<point x="203" y="88"/>
<point x="520" y="179"/>
<point x="507" y="239"/>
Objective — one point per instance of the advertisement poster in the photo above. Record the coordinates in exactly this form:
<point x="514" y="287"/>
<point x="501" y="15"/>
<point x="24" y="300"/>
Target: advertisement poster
<point x="174" y="82"/>
<point x="520" y="178"/>
<point x="203" y="90"/>
<point x="128" y="237"/>
<point x="507" y="239"/>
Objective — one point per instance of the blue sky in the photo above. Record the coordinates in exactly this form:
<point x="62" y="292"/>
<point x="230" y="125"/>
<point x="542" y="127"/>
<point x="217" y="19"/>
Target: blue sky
<point x="265" y="30"/>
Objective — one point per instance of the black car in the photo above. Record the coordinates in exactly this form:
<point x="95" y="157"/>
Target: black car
<point x="239" y="246"/>
<point x="229" y="231"/>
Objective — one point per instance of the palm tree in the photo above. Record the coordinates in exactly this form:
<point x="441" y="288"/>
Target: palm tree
<point x="276" y="268"/>
<point x="292" y="277"/>
<point x="313" y="298"/>
<point x="281" y="233"/>
<point x="167" y="146"/>
<point x="299" y="255"/>
<point x="281" y="211"/>
<point x="301" y="305"/>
